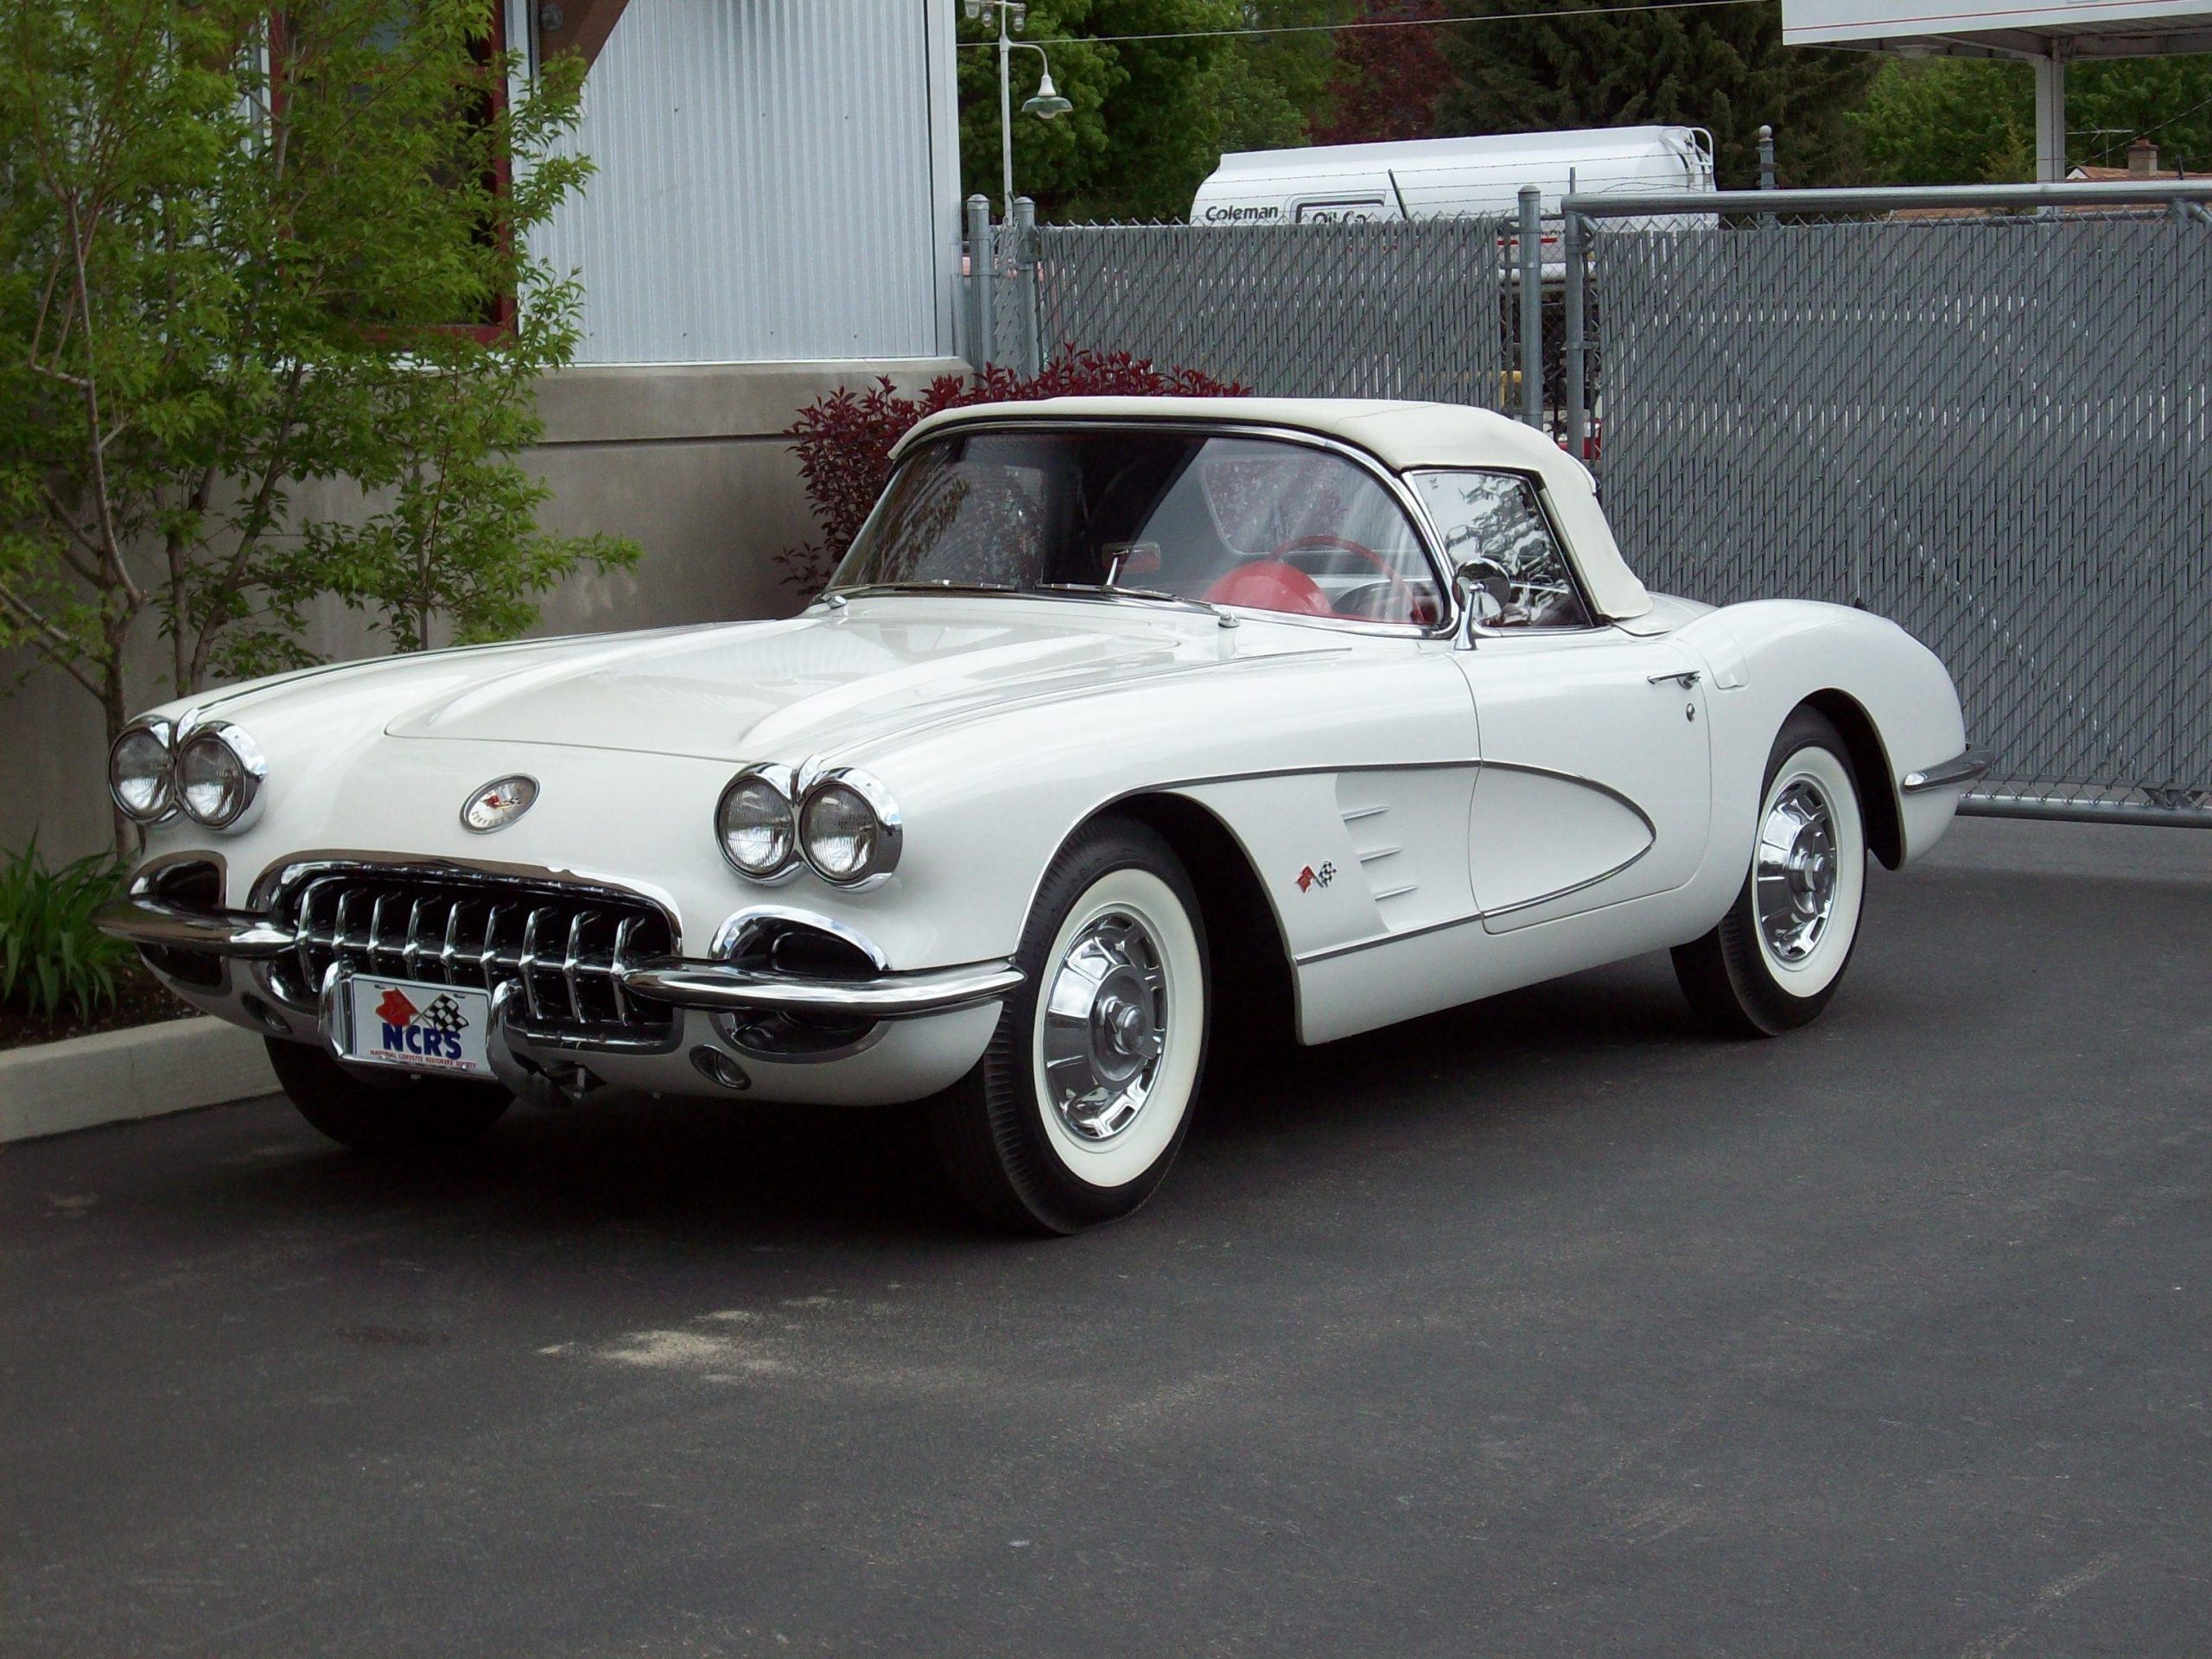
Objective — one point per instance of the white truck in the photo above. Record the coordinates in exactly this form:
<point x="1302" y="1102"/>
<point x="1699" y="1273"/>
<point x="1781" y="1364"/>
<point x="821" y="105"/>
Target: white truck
<point x="1442" y="178"/>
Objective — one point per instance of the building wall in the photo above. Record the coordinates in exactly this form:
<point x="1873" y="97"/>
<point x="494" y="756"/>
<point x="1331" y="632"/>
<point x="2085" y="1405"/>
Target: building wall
<point x="690" y="460"/>
<point x="775" y="180"/>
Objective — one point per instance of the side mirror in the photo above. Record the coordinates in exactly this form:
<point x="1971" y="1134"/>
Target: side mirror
<point x="1480" y="587"/>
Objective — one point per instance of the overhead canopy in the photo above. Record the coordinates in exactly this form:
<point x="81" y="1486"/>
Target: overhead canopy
<point x="2045" y="35"/>
<point x="1994" y="29"/>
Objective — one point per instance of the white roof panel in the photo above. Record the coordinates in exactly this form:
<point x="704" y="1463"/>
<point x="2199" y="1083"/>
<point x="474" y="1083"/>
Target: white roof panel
<point x="2098" y="24"/>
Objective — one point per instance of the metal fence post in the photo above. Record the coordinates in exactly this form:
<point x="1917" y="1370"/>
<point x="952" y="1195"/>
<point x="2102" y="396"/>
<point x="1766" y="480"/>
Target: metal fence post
<point x="1532" y="305"/>
<point x="980" y="341"/>
<point x="1575" y="237"/>
<point x="1766" y="158"/>
<point x="1024" y="267"/>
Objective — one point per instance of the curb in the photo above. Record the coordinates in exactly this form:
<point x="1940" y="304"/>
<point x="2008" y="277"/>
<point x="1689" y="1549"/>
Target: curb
<point x="114" y="1076"/>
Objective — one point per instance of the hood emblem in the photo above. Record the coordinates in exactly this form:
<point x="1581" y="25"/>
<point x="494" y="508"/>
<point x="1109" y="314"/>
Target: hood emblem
<point x="499" y="804"/>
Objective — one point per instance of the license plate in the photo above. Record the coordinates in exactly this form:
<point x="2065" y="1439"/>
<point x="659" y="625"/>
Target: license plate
<point x="418" y="1026"/>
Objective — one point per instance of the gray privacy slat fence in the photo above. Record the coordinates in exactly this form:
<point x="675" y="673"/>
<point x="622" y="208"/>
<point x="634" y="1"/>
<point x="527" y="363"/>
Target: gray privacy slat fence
<point x="1305" y="310"/>
<point x="1995" y="431"/>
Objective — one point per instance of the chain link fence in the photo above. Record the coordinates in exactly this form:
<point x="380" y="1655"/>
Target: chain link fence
<point x="1421" y="310"/>
<point x="1996" y="430"/>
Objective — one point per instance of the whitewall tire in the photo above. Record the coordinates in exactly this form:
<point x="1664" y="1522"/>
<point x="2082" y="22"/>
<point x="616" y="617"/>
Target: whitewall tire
<point x="1075" y="1113"/>
<point x="1776" y="958"/>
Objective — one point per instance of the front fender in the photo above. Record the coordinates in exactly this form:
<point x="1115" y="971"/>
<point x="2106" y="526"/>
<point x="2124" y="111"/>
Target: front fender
<point x="1766" y="657"/>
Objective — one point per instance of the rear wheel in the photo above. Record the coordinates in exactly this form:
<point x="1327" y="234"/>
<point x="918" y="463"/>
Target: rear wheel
<point x="410" y="1114"/>
<point x="1779" y="953"/>
<point x="1076" y="1110"/>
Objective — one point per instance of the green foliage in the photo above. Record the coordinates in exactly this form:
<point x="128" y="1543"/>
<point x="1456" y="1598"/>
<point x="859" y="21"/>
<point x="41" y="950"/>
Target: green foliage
<point x="1151" y="118"/>
<point x="53" y="960"/>
<point x="1966" y="120"/>
<point x="1949" y="121"/>
<point x="238" y="255"/>
<point x="1725" y="69"/>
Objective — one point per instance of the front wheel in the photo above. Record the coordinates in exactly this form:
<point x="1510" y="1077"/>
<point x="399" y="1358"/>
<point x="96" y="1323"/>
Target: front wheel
<point x="1779" y="953"/>
<point x="408" y="1115"/>
<point x="1078" y="1107"/>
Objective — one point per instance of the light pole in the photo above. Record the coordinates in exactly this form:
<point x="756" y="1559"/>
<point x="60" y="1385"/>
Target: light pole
<point x="1048" y="105"/>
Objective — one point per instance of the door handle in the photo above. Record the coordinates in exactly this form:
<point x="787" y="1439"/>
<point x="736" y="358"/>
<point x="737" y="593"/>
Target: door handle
<point x="1686" y="679"/>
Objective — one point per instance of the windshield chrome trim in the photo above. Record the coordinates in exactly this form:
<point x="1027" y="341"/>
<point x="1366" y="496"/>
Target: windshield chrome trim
<point x="1424" y="533"/>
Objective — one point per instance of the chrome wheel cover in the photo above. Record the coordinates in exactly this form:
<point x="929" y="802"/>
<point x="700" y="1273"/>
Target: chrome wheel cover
<point x="1797" y="870"/>
<point x="1105" y="1025"/>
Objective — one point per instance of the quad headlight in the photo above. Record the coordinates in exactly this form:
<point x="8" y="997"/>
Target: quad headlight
<point x="842" y="822"/>
<point x="757" y="825"/>
<point x="212" y="772"/>
<point x="140" y="774"/>
<point x="218" y="773"/>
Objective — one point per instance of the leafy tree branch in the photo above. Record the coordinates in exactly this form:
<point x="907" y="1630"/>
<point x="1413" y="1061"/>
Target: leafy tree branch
<point x="246" y="250"/>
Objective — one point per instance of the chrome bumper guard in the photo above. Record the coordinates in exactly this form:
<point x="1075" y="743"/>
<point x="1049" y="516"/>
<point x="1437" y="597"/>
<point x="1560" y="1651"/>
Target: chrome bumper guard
<point x="717" y="987"/>
<point x="1968" y="768"/>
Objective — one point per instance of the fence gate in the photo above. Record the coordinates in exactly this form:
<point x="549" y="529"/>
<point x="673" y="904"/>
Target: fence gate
<point x="1996" y="431"/>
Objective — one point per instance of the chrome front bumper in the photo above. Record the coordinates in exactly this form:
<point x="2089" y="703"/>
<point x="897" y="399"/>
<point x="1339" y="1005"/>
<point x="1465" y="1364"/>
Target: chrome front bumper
<point x="677" y="980"/>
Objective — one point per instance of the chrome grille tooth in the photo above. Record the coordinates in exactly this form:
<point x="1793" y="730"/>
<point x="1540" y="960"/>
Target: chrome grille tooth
<point x="615" y="966"/>
<point x="569" y="963"/>
<point x="309" y="976"/>
<point x="410" y="950"/>
<point x="338" y="924"/>
<point x="447" y="947"/>
<point x="526" y="963"/>
<point x="376" y="927"/>
<point x="487" y="957"/>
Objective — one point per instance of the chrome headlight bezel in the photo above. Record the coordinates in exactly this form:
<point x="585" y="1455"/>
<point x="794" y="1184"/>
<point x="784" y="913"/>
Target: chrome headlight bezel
<point x="886" y="834"/>
<point x="163" y="805"/>
<point x="246" y="768"/>
<point x="779" y="782"/>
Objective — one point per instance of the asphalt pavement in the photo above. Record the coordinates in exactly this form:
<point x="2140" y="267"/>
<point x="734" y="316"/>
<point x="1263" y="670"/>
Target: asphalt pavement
<point x="1545" y="1326"/>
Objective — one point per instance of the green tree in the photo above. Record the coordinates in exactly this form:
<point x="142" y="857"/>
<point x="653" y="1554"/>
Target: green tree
<point x="239" y="255"/>
<point x="1724" y="68"/>
<point x="1152" y="117"/>
<point x="1969" y="120"/>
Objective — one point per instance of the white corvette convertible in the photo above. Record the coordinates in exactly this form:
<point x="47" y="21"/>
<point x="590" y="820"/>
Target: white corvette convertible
<point x="1128" y="725"/>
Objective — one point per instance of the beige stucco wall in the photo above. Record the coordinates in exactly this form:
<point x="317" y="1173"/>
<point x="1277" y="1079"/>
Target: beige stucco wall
<point x="688" y="461"/>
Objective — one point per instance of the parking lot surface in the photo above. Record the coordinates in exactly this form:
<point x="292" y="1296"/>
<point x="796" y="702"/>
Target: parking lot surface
<point x="1545" y="1326"/>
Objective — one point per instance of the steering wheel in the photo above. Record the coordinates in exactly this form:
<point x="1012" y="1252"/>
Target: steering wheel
<point x="1271" y="585"/>
<point x="1400" y="588"/>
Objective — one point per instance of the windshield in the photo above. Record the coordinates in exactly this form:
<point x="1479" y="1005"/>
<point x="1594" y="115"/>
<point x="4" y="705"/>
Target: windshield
<point x="1252" y="522"/>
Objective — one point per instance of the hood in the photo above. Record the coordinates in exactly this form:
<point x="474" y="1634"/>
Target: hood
<point x="829" y="679"/>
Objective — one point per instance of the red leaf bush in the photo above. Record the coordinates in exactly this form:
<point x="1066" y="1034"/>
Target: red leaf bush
<point x="845" y="440"/>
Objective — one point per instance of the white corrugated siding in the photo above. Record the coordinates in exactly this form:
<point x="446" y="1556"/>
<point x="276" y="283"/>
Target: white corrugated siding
<point x="765" y="190"/>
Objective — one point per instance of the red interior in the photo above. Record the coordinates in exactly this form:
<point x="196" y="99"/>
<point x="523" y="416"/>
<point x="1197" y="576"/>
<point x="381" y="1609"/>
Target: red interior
<point x="1271" y="585"/>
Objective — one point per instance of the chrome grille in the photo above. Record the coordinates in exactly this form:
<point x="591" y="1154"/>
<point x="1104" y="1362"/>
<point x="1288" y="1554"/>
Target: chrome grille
<point x="566" y="945"/>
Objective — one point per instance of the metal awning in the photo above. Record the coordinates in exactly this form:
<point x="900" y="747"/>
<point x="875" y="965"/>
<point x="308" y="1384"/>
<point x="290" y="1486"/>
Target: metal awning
<point x="2047" y="35"/>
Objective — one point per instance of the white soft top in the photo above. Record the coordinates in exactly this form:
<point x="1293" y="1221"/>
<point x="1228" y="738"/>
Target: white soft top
<point x="1402" y="435"/>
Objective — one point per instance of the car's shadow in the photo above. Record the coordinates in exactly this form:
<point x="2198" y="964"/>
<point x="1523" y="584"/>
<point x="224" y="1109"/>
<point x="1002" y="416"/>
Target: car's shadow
<point x="756" y="1173"/>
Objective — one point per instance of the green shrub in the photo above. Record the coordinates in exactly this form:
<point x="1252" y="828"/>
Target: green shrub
<point x="53" y="960"/>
